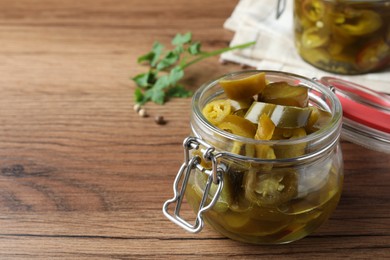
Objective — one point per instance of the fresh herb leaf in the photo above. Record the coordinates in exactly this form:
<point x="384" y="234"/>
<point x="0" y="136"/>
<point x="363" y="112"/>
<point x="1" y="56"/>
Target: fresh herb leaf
<point x="146" y="57"/>
<point x="145" y="80"/>
<point x="169" y="59"/>
<point x="139" y="96"/>
<point x="156" y="95"/>
<point x="178" y="49"/>
<point x="179" y="91"/>
<point x="162" y="83"/>
<point x="181" y="39"/>
<point x="175" y="75"/>
<point x="153" y="56"/>
<point x="194" y="48"/>
<point x="157" y="50"/>
<point x="166" y="69"/>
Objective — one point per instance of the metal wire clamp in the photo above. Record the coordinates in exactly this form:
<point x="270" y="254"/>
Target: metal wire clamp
<point x="188" y="166"/>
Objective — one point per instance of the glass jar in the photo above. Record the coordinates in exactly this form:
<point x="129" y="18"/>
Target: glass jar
<point x="343" y="36"/>
<point x="261" y="201"/>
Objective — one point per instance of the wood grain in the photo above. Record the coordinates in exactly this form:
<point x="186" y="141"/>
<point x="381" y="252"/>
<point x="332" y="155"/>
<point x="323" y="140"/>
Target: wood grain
<point x="83" y="177"/>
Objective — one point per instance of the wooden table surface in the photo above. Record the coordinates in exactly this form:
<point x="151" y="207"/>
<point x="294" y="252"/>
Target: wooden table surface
<point x="83" y="176"/>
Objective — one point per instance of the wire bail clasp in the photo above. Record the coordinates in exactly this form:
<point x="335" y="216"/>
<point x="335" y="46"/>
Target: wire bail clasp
<point x="188" y="166"/>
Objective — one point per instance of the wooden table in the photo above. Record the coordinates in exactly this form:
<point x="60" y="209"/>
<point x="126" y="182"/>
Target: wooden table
<point x="83" y="176"/>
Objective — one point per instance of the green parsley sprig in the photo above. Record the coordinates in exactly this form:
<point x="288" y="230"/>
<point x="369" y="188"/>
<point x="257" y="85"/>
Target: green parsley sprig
<point x="166" y="68"/>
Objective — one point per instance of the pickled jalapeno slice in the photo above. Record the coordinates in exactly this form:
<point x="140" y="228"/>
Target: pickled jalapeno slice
<point x="374" y="55"/>
<point x="358" y="22"/>
<point x="282" y="93"/>
<point x="270" y="188"/>
<point x="217" y="110"/>
<point x="244" y="88"/>
<point x="288" y="133"/>
<point x="265" y="128"/>
<point x="265" y="131"/>
<point x="241" y="204"/>
<point x="238" y="105"/>
<point x="318" y="56"/>
<point x="265" y="152"/>
<point x="315" y="37"/>
<point x="318" y="119"/>
<point x="281" y="116"/>
<point x="313" y="9"/>
<point x="291" y="151"/>
<point x="238" y="126"/>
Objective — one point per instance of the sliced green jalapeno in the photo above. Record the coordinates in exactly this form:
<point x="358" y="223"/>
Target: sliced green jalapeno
<point x="270" y="188"/>
<point x="281" y="116"/>
<point x="282" y="93"/>
<point x="244" y="88"/>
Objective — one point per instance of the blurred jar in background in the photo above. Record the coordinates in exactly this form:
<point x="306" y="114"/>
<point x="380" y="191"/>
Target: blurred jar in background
<point x="343" y="36"/>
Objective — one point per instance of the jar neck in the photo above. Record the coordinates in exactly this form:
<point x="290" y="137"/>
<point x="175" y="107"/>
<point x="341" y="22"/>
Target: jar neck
<point x="316" y="148"/>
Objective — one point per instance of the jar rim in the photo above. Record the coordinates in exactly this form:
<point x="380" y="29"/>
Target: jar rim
<point x="335" y="107"/>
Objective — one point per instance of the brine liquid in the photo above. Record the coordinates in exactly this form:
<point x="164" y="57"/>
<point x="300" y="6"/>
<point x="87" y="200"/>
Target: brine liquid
<point x="292" y="220"/>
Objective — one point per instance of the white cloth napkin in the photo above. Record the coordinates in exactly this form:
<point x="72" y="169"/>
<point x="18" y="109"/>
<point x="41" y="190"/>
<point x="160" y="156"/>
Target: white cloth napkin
<point x="255" y="20"/>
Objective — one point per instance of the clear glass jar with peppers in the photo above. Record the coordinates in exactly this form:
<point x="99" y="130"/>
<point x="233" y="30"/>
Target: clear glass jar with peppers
<point x="343" y="36"/>
<point x="263" y="163"/>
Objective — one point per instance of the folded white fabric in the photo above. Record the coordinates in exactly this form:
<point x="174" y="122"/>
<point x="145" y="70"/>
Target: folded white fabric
<point x="255" y="20"/>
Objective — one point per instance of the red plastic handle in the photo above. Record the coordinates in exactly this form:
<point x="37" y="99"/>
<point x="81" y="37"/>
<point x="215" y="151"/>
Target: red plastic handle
<point x="364" y="114"/>
<point x="361" y="104"/>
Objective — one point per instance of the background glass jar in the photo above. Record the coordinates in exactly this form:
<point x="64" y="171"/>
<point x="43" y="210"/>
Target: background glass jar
<point x="343" y="36"/>
<point x="260" y="200"/>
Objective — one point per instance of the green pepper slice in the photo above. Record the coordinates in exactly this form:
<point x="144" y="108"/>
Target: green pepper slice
<point x="374" y="55"/>
<point x="313" y="9"/>
<point x="289" y="151"/>
<point x="240" y="104"/>
<point x="217" y="110"/>
<point x="244" y="88"/>
<point x="239" y="107"/>
<point x="281" y="116"/>
<point x="265" y="128"/>
<point x="238" y="126"/>
<point x="270" y="188"/>
<point x="316" y="55"/>
<point x="315" y="37"/>
<point x="318" y="119"/>
<point x="358" y="22"/>
<point x="282" y="93"/>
